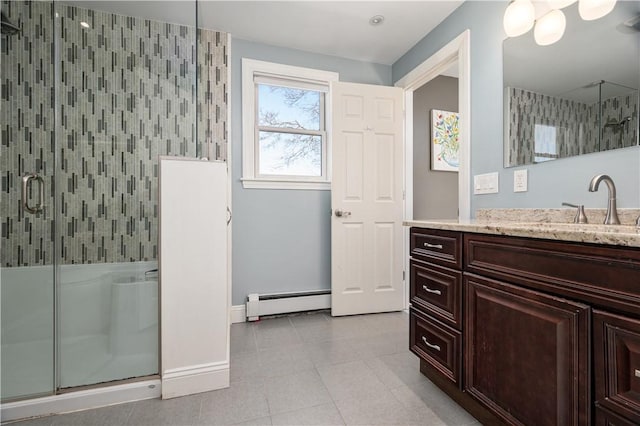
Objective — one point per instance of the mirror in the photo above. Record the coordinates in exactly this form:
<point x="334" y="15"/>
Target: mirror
<point x="577" y="96"/>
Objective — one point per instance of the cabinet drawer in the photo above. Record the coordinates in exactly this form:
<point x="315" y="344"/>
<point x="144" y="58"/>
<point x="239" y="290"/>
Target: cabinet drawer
<point x="605" y="276"/>
<point x="437" y="291"/>
<point x="616" y="358"/>
<point x="441" y="247"/>
<point x="437" y="344"/>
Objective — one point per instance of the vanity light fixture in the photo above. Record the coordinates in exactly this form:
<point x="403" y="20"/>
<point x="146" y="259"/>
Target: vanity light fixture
<point x="594" y="9"/>
<point x="560" y="4"/>
<point x="550" y="28"/>
<point x="519" y="17"/>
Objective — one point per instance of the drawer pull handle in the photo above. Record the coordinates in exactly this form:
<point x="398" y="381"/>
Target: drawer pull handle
<point x="431" y="345"/>
<point x="435" y="246"/>
<point x="637" y="373"/>
<point x="429" y="290"/>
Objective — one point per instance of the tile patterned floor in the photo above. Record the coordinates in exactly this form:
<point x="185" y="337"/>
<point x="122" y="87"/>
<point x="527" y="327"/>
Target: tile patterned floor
<point x="307" y="369"/>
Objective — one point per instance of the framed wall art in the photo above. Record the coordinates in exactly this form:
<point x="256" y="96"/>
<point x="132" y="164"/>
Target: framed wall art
<point x="445" y="140"/>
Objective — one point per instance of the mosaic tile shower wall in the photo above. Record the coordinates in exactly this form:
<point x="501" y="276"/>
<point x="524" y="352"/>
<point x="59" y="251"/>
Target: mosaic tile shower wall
<point x="127" y="93"/>
<point x="27" y="141"/>
<point x="528" y="109"/>
<point x="212" y="94"/>
<point x="576" y="124"/>
<point x="614" y="110"/>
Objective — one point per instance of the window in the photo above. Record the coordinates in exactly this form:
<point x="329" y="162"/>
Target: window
<point x="285" y="138"/>
<point x="545" y="143"/>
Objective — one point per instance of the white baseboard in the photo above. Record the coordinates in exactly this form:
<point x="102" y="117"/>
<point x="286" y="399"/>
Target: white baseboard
<point x="195" y="379"/>
<point x="258" y="305"/>
<point x="80" y="400"/>
<point x="238" y="314"/>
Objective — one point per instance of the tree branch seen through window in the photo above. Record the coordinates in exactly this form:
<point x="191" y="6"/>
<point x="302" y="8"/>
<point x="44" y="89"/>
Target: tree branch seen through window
<point x="290" y="130"/>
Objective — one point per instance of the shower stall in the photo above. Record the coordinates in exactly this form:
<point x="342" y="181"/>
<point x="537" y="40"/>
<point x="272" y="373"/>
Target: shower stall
<point x="89" y="100"/>
<point x="616" y="115"/>
<point x="599" y="116"/>
<point x="608" y="113"/>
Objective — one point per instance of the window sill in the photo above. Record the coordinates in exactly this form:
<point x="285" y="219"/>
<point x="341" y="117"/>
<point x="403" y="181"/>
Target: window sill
<point x="252" y="183"/>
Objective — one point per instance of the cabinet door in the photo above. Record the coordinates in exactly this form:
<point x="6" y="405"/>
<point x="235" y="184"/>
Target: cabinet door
<point x="616" y="356"/>
<point x="526" y="354"/>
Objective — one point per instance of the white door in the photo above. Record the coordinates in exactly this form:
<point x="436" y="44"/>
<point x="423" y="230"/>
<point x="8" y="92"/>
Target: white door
<point x="366" y="199"/>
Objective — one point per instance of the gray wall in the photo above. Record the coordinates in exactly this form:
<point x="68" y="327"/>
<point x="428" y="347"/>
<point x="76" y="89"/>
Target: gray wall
<point x="435" y="193"/>
<point x="549" y="183"/>
<point x="282" y="238"/>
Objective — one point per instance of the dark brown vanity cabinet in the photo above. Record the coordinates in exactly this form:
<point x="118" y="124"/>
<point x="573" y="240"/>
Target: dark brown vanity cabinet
<point x="536" y="332"/>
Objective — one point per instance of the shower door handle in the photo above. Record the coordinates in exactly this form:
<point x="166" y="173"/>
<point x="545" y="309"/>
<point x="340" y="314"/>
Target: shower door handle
<point x="26" y="181"/>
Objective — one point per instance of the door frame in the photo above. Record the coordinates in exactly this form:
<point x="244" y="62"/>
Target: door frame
<point x="458" y="50"/>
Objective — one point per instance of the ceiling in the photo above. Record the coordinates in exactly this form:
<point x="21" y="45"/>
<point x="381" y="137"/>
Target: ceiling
<point x="337" y="28"/>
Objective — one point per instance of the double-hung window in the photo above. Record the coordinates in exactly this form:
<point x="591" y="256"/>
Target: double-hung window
<point x="285" y="133"/>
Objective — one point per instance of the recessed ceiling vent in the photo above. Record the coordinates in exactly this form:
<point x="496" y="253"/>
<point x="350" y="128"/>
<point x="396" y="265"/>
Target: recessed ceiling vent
<point x="376" y="20"/>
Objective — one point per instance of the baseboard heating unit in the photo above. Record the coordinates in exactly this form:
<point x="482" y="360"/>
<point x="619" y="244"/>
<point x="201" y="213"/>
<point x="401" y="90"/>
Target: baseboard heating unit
<point x="283" y="303"/>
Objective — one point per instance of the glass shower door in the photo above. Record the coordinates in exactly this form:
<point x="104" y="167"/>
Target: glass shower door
<point x="126" y="95"/>
<point x="95" y="97"/>
<point x="27" y="202"/>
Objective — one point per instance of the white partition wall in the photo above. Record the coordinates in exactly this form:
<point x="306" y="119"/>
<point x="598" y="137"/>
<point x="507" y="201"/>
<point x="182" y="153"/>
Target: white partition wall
<point x="194" y="290"/>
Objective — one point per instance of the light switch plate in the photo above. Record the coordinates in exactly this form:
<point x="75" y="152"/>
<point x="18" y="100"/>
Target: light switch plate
<point x="485" y="184"/>
<point x="520" y="180"/>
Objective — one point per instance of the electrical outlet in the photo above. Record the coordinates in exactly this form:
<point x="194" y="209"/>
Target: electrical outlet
<point x="485" y="184"/>
<point x="520" y="180"/>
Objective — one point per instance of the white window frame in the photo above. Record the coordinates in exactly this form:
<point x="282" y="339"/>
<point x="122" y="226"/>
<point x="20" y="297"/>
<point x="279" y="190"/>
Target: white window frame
<point x="251" y="69"/>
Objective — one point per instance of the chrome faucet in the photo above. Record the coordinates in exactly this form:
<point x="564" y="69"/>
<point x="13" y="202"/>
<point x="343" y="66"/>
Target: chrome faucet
<point x="612" y="212"/>
<point x="580" y="216"/>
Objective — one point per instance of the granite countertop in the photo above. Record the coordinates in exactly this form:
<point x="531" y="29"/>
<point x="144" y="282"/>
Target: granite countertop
<point x="524" y="226"/>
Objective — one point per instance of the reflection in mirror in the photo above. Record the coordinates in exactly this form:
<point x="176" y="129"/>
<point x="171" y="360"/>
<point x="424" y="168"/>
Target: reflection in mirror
<point x="577" y="96"/>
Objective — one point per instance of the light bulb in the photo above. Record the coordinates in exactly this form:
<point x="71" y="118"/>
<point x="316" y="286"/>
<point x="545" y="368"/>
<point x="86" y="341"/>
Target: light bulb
<point x="594" y="9"/>
<point x="550" y="28"/>
<point x="560" y="4"/>
<point x="518" y="18"/>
